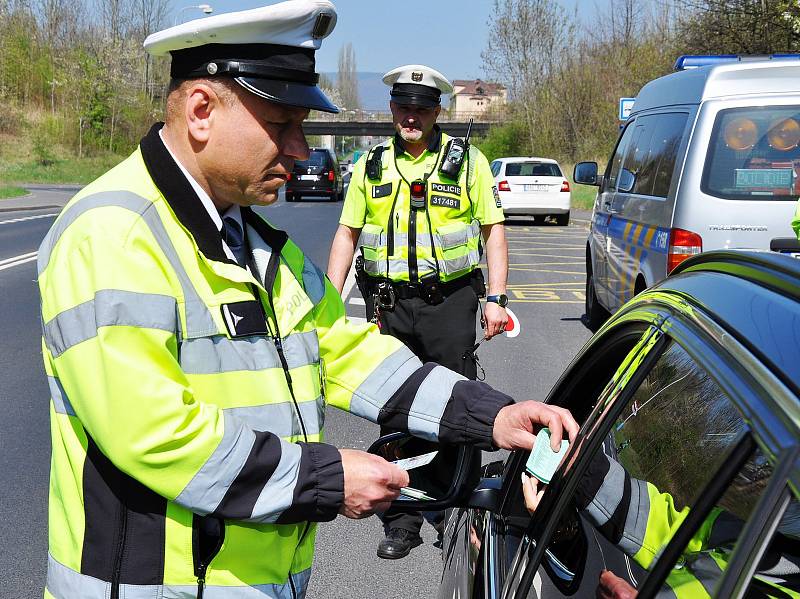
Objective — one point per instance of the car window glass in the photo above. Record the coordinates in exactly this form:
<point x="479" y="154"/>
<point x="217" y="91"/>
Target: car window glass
<point x="778" y="568"/>
<point x="496" y="167"/>
<point x="656" y="151"/>
<point x="664" y="447"/>
<point x="705" y="558"/>
<point x="616" y="160"/>
<point x="532" y="169"/>
<point x="754" y="154"/>
<point x="316" y="158"/>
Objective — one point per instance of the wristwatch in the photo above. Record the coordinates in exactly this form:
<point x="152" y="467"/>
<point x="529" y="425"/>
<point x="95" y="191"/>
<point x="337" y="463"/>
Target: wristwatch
<point x="501" y="300"/>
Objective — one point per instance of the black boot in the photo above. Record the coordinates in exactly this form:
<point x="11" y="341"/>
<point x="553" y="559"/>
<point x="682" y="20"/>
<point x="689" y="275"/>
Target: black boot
<point x="398" y="543"/>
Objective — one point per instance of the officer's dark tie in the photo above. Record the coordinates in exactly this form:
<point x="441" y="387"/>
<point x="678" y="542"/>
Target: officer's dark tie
<point x="234" y="237"/>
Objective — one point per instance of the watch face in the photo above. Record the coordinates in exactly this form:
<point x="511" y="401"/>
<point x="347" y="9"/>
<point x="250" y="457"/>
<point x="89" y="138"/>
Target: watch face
<point x="503" y="300"/>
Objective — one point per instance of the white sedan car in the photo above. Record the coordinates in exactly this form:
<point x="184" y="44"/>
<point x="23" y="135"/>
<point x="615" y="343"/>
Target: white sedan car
<point x="531" y="186"/>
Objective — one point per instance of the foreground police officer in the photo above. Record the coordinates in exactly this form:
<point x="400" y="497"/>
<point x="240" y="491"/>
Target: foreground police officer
<point x="419" y="203"/>
<point x="191" y="348"/>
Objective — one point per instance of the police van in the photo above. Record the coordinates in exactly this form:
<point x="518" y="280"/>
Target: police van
<point x="709" y="158"/>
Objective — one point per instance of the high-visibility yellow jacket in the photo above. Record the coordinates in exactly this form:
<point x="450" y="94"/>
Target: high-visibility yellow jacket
<point x="187" y="405"/>
<point x="641" y="520"/>
<point x="404" y="244"/>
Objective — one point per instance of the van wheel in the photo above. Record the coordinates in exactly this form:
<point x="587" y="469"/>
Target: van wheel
<point x="596" y="314"/>
<point x="562" y="220"/>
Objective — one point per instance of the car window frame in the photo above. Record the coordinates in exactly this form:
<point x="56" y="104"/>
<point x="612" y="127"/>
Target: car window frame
<point x="679" y="327"/>
<point x="630" y="124"/>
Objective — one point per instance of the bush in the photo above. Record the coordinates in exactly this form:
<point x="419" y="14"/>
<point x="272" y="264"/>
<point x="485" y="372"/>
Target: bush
<point x="11" y="120"/>
<point x="507" y="139"/>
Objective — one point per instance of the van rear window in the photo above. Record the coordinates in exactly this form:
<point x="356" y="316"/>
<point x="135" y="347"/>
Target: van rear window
<point x="315" y="158"/>
<point x="754" y="154"/>
<point x="532" y="169"/>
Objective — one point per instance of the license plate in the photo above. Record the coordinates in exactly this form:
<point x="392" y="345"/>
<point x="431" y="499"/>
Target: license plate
<point x="532" y="187"/>
<point x="309" y="177"/>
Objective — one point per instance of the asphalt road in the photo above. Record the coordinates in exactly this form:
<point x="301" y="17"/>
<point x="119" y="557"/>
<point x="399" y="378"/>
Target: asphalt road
<point x="546" y="291"/>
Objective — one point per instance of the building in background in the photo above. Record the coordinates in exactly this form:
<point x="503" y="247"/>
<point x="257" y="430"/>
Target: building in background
<point x="473" y="96"/>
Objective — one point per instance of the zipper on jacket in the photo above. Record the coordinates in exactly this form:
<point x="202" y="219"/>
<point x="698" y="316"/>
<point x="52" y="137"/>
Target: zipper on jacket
<point x="121" y="533"/>
<point x="204" y="557"/>
<point x="413" y="274"/>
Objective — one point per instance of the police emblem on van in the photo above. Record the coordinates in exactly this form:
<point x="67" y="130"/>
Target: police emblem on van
<point x="454" y="189"/>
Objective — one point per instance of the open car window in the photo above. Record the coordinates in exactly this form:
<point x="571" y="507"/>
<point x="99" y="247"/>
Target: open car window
<point x="651" y="447"/>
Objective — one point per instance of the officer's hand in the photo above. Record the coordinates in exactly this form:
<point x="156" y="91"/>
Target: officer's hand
<point x="611" y="586"/>
<point x="370" y="483"/>
<point x="496" y="319"/>
<point x="514" y="425"/>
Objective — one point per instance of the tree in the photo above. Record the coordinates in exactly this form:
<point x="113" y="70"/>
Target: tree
<point x="347" y="80"/>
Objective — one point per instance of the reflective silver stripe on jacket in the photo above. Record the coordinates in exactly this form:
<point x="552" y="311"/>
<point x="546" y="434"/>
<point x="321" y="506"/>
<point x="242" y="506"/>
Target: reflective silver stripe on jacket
<point x="59" y="396"/>
<point x="278" y="494"/>
<point x="706" y="570"/>
<point x="609" y="495"/>
<point x="66" y="583"/>
<point x="460" y="237"/>
<point x="430" y="401"/>
<point x="199" y="321"/>
<point x="636" y="519"/>
<point x="213" y="355"/>
<point x="383" y="382"/>
<point x="110" y="307"/>
<point x="279" y="419"/>
<point x="211" y="482"/>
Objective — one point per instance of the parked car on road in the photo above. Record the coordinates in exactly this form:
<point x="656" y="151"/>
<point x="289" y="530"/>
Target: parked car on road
<point x="320" y="176"/>
<point x="684" y="478"/>
<point x="708" y="159"/>
<point x="531" y="186"/>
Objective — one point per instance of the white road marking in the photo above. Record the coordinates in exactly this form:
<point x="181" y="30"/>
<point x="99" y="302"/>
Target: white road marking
<point x="17" y="260"/>
<point x="24" y="218"/>
<point x="357" y="301"/>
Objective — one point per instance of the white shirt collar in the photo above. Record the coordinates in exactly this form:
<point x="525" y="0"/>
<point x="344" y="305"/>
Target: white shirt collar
<point x="234" y="211"/>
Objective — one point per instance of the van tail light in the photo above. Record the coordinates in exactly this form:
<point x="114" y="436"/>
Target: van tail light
<point x="503" y="186"/>
<point x="331" y="176"/>
<point x="288" y="176"/>
<point x="682" y="245"/>
<point x="565" y="185"/>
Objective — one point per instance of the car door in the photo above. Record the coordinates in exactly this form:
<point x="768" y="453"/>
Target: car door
<point x="601" y="232"/>
<point x="666" y="486"/>
<point x="480" y="544"/>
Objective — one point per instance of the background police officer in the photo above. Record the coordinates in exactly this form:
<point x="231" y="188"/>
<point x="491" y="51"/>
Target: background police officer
<point x="419" y="205"/>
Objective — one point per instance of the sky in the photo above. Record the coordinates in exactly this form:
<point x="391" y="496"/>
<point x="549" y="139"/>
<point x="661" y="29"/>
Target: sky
<point x="448" y="35"/>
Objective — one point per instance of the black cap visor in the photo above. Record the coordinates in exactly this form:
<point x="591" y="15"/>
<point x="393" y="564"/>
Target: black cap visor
<point x="412" y="94"/>
<point x="290" y="93"/>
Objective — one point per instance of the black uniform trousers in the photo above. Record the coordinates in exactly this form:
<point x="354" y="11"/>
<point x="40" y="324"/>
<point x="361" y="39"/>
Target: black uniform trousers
<point x="443" y="333"/>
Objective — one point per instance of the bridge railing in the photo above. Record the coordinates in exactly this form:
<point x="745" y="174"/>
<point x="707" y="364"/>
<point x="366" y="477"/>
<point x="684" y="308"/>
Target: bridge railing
<point x="362" y="116"/>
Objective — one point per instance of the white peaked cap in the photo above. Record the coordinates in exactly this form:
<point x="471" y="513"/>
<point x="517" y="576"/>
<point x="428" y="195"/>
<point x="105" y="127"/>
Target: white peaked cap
<point x="269" y="50"/>
<point x="420" y="75"/>
<point x="289" y="23"/>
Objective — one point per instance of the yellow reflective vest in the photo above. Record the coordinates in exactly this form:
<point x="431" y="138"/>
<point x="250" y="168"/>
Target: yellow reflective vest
<point x="188" y="399"/>
<point x="405" y="244"/>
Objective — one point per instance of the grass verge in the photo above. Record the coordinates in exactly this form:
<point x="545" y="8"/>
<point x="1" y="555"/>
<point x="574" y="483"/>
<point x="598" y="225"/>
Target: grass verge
<point x="11" y="191"/>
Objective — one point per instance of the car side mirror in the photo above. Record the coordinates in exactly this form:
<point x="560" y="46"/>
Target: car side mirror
<point x="585" y="173"/>
<point x="626" y="181"/>
<point x="441" y="476"/>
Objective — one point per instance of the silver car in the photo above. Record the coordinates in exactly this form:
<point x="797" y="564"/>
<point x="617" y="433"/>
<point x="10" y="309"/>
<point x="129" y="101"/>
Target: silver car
<point x="709" y="159"/>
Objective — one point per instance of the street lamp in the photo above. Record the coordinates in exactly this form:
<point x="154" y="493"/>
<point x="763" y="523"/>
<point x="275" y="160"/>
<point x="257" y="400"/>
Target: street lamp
<point x="206" y="8"/>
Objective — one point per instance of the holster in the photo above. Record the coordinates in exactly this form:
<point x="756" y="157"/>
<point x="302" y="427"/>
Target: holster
<point x="478" y="283"/>
<point x="430" y="289"/>
<point x="362" y="279"/>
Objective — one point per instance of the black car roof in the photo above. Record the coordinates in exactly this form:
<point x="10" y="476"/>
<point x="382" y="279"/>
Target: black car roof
<point x="755" y="296"/>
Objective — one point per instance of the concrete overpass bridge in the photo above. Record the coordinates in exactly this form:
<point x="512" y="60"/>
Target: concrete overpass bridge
<point x="362" y="123"/>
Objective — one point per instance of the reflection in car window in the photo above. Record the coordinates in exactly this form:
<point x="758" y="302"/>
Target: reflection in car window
<point x="316" y="158"/>
<point x="653" y="152"/>
<point x="779" y="567"/>
<point x="754" y="154"/>
<point x="662" y="450"/>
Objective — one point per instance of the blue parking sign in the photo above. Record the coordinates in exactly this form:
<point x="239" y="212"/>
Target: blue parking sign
<point x="625" y="107"/>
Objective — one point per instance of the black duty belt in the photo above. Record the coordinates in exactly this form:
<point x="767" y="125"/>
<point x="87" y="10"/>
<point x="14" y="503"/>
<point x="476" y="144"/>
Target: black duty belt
<point x="405" y="290"/>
